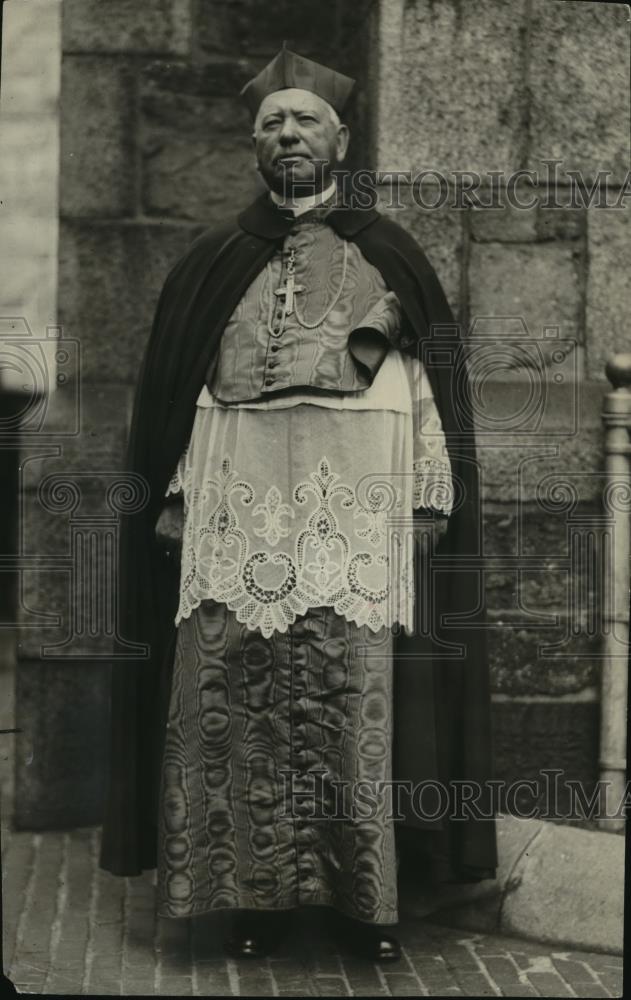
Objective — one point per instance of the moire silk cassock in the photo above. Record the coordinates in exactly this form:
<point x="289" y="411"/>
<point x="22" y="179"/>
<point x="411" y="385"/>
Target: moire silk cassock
<point x="296" y="560"/>
<point x="272" y="748"/>
<point x="265" y="349"/>
<point x="441" y="683"/>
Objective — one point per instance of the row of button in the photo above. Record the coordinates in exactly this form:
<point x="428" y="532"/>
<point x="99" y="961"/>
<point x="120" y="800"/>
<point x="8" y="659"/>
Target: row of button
<point x="274" y="347"/>
<point x="273" y="363"/>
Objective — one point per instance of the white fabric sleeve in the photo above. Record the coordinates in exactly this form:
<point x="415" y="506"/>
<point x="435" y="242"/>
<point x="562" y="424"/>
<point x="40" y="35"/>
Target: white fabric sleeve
<point x="433" y="486"/>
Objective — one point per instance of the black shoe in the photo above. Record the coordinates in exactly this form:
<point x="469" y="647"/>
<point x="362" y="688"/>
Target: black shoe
<point x="256" y="933"/>
<point x="368" y="941"/>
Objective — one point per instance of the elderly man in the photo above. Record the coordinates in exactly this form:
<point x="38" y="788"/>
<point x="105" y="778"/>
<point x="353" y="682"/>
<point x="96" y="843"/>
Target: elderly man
<point x="291" y="415"/>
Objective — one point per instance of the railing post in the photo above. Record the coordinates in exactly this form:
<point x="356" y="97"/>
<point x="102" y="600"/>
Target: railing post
<point x="616" y="556"/>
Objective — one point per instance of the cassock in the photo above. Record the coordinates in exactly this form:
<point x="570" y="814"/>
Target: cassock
<point x="288" y="675"/>
<point x="296" y="563"/>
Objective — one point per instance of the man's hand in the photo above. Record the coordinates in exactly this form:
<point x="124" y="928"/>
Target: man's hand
<point x="170" y="527"/>
<point x="428" y="533"/>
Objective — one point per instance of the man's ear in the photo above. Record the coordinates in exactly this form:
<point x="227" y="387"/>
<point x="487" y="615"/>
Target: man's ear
<point x="343" y="137"/>
<point x="257" y="165"/>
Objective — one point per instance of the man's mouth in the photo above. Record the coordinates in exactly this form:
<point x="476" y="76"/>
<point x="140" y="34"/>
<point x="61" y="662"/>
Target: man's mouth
<point x="291" y="157"/>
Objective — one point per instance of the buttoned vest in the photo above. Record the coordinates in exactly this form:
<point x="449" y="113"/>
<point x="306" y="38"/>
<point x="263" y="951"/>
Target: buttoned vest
<point x="332" y="338"/>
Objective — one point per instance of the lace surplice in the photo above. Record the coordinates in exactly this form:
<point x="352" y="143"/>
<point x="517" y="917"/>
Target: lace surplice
<point x="304" y="501"/>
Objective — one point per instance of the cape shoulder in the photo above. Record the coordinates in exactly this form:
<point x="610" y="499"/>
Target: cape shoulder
<point x="391" y="236"/>
<point x="204" y="248"/>
<point x="408" y="271"/>
<point x="382" y="239"/>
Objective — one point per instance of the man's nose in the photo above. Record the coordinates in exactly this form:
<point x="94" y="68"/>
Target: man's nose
<point x="288" y="133"/>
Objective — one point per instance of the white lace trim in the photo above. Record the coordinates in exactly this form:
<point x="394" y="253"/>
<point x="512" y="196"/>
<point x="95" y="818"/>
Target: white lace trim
<point x="433" y="485"/>
<point x="272" y="527"/>
<point x="341" y="553"/>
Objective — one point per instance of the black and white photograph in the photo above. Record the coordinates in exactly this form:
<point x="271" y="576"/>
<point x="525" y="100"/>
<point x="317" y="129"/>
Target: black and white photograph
<point x="315" y="497"/>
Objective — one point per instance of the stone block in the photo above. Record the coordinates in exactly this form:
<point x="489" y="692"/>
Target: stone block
<point x="539" y="411"/>
<point x="22" y="294"/>
<point x="30" y="60"/>
<point x="536" y="285"/>
<point x="326" y="31"/>
<point x="97" y="137"/>
<point x="508" y="224"/>
<point x="547" y="576"/>
<point x="62" y="710"/>
<point x="535" y="439"/>
<point x="532" y="736"/>
<point x="79" y="498"/>
<point x="532" y="531"/>
<point x="525" y="217"/>
<point x="59" y="591"/>
<point x="89" y="430"/>
<point x="110" y="277"/>
<point x="166" y="87"/>
<point x="22" y="237"/>
<point x="519" y="665"/>
<point x="439" y="232"/>
<point x="469" y="118"/>
<point x="579" y="82"/>
<point x="570" y="893"/>
<point x="538" y="865"/>
<point x="253" y="28"/>
<point x="608" y="323"/>
<point x="29" y="167"/>
<point x="543" y="591"/>
<point x="197" y="154"/>
<point x="563" y="222"/>
<point x="512" y="469"/>
<point x="153" y="27"/>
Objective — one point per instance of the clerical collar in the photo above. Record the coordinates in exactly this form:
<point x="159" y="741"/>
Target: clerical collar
<point x="264" y="219"/>
<point x="305" y="204"/>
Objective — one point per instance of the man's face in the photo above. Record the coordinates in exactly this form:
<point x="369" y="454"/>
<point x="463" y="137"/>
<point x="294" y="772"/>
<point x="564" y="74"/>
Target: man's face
<point x="297" y="142"/>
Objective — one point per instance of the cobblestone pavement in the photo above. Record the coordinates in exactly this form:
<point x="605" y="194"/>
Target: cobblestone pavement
<point x="71" y="929"/>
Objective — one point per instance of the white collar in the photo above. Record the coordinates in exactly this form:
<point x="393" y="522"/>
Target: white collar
<point x="304" y="204"/>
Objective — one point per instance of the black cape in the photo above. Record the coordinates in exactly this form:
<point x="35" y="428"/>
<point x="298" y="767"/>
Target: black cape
<point x="442" y="703"/>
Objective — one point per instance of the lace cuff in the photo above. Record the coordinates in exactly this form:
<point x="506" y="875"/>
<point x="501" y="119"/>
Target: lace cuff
<point x="433" y="487"/>
<point x="175" y="484"/>
<point x="181" y="478"/>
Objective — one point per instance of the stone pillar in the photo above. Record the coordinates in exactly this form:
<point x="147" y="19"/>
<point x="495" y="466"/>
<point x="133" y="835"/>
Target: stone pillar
<point x="617" y="560"/>
<point x="28" y="290"/>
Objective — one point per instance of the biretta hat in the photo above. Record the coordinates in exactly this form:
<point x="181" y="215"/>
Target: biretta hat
<point x="288" y="69"/>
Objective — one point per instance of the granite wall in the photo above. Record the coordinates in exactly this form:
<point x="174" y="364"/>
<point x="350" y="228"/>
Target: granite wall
<point x="475" y="97"/>
<point x="155" y="146"/>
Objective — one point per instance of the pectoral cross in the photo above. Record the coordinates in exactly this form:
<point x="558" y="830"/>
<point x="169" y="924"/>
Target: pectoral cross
<point x="290" y="288"/>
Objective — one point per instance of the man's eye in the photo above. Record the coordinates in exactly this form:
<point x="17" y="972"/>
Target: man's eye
<point x="271" y="123"/>
<point x="307" y="118"/>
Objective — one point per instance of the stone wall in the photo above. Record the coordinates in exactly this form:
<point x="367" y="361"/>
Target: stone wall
<point x="544" y="294"/>
<point x="155" y="147"/>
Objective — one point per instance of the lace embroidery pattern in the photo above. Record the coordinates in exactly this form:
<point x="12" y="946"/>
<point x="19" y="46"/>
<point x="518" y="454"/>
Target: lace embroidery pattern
<point x="273" y="527"/>
<point x="339" y="556"/>
<point x="433" y="485"/>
